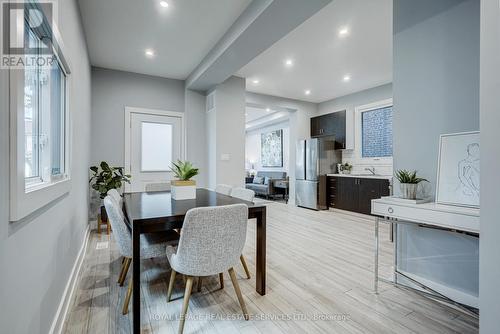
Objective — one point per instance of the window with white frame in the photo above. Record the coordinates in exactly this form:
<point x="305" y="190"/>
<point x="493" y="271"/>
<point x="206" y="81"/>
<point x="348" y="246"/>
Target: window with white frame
<point x="44" y="121"/>
<point x="376" y="132"/>
<point x="39" y="122"/>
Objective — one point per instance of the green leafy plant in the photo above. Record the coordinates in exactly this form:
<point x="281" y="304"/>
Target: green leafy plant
<point x="105" y="178"/>
<point x="184" y="170"/>
<point x="405" y="176"/>
<point x="347" y="166"/>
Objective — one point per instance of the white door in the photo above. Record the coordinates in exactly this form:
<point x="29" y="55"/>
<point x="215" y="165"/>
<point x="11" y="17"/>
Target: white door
<point x="154" y="142"/>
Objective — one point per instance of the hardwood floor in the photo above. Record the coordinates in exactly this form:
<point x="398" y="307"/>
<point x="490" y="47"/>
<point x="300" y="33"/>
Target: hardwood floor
<point x="320" y="280"/>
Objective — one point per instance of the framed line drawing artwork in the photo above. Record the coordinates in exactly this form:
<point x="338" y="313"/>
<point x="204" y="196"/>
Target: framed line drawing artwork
<point x="458" y="169"/>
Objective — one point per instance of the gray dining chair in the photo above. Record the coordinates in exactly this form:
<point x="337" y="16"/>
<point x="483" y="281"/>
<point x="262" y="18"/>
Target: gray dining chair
<point x="211" y="242"/>
<point x="246" y="195"/>
<point x="223" y="189"/>
<point x="152" y="245"/>
<point x="243" y="193"/>
<point x="116" y="196"/>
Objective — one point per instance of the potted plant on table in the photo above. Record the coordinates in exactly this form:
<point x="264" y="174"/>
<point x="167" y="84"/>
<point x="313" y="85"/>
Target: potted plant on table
<point x="104" y="178"/>
<point x="408" y="182"/>
<point x="183" y="187"/>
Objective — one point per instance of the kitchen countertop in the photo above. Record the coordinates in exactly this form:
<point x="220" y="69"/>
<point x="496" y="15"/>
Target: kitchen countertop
<point x="367" y="176"/>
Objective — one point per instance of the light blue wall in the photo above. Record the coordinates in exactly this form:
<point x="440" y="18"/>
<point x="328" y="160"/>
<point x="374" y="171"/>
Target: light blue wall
<point x="351" y="101"/>
<point x="37" y="254"/>
<point x="112" y="91"/>
<point x="489" y="276"/>
<point x="436" y="90"/>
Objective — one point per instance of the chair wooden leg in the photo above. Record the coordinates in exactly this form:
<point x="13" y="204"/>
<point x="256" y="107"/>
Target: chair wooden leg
<point x="171" y="285"/>
<point x="200" y="279"/>
<point x="127" y="297"/>
<point x="109" y="227"/>
<point x="185" y="304"/>
<point x="244" y="263"/>
<point x="238" y="293"/>
<point x="126" y="266"/>
<point x="221" y="280"/>
<point x="121" y="271"/>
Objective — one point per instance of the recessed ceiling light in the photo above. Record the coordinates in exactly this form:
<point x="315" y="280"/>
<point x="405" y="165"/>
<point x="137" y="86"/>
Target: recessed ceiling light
<point x="164" y="4"/>
<point x="255" y="81"/>
<point x="246" y="114"/>
<point x="268" y="109"/>
<point x="344" y="31"/>
<point x="307" y="92"/>
<point x="289" y="62"/>
<point x="149" y="53"/>
<point x="346" y="78"/>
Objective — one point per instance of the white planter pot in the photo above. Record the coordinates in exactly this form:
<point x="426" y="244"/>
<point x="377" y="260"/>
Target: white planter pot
<point x="183" y="190"/>
<point x="409" y="190"/>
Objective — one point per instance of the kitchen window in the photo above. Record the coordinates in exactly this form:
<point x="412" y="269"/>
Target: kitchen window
<point x="39" y="126"/>
<point x="376" y="132"/>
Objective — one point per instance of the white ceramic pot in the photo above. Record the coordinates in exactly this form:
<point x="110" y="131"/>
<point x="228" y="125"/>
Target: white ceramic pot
<point x="409" y="190"/>
<point x="183" y="189"/>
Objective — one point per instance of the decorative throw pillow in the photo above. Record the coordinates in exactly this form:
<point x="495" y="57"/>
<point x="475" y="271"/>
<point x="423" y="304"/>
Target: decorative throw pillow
<point x="258" y="180"/>
<point x="267" y="180"/>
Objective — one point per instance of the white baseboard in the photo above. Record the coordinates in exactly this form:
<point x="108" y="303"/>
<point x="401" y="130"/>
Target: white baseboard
<point x="62" y="310"/>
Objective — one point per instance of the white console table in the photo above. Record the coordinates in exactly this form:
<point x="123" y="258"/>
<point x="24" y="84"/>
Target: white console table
<point x="451" y="218"/>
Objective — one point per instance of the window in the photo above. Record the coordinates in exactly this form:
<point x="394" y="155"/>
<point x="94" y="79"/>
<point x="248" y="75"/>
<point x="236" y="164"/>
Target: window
<point x="44" y="120"/>
<point x="376" y="132"/>
<point x="156" y="147"/>
<point x="39" y="122"/>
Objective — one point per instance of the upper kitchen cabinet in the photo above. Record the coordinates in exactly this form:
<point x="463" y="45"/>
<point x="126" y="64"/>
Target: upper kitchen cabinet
<point x="333" y="124"/>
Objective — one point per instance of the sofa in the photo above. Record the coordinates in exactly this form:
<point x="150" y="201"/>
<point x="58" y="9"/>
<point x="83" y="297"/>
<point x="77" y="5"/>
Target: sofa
<point x="266" y="188"/>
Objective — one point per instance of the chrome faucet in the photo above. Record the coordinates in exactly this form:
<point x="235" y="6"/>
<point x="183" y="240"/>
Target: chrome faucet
<point x="371" y="170"/>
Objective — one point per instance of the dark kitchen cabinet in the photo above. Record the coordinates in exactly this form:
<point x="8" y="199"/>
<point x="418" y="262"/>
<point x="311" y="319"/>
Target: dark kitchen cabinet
<point x="348" y="194"/>
<point x="332" y="124"/>
<point x="355" y="194"/>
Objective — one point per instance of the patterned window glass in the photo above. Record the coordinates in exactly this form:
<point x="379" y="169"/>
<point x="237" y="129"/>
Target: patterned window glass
<point x="376" y="129"/>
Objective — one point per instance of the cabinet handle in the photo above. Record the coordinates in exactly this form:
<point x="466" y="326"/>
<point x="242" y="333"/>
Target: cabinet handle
<point x="390" y="210"/>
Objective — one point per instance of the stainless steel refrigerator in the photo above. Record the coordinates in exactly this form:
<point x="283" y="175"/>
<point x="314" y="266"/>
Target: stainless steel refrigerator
<point x="315" y="158"/>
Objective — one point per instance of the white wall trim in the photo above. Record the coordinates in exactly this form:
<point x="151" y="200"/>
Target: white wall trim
<point x="62" y="310"/>
<point x="127" y="126"/>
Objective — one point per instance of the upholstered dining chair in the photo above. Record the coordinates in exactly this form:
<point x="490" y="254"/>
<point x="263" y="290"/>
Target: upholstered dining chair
<point x="243" y="193"/>
<point x="223" y="189"/>
<point x="211" y="241"/>
<point x="117" y="197"/>
<point x="246" y="195"/>
<point x="152" y="245"/>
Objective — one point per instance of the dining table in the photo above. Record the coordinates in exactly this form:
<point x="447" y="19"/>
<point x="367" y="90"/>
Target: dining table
<point x="150" y="212"/>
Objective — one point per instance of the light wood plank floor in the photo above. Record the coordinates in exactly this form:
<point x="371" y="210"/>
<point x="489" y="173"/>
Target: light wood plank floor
<point x="319" y="281"/>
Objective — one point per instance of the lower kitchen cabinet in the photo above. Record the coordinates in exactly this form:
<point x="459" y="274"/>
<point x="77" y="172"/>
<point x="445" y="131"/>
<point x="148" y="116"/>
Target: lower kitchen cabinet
<point x="355" y="194"/>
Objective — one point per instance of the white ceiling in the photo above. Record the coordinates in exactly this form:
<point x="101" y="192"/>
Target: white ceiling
<point x="252" y="113"/>
<point x="321" y="58"/>
<point x="119" y="31"/>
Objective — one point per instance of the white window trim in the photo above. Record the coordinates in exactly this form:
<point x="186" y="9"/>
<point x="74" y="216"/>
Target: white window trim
<point x="128" y="124"/>
<point x="25" y="201"/>
<point x="358" y="133"/>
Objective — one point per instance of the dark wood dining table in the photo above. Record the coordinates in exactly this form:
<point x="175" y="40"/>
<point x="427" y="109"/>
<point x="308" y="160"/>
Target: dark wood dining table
<point x="157" y="211"/>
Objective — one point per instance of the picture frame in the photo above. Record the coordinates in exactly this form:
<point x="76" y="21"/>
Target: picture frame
<point x="271" y="149"/>
<point x="459" y="170"/>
